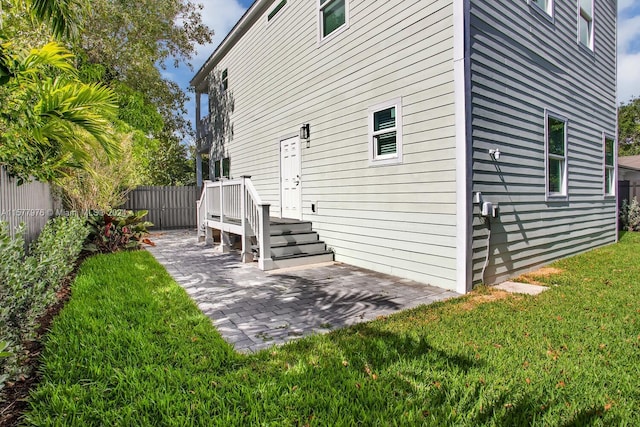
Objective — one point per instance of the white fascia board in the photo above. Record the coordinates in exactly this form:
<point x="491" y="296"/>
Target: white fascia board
<point x="246" y="21"/>
<point x="464" y="171"/>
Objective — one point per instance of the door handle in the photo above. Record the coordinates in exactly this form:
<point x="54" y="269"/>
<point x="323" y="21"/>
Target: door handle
<point x="297" y="180"/>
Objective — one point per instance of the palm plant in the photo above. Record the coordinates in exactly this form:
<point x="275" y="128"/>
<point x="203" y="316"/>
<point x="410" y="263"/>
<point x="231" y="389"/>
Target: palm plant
<point x="50" y="121"/>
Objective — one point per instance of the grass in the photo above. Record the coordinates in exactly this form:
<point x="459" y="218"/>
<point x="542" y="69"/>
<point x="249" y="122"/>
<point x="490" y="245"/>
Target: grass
<point x="132" y="349"/>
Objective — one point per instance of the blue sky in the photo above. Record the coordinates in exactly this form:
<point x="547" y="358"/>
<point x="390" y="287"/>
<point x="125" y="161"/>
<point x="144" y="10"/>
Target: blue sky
<point x="221" y="15"/>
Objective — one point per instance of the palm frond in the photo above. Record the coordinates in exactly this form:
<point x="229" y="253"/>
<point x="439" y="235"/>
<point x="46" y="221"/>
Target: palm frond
<point x="63" y="16"/>
<point x="71" y="109"/>
<point x="52" y="55"/>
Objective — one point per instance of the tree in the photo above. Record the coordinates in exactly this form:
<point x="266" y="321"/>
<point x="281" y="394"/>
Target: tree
<point x="131" y="38"/>
<point x="629" y="128"/>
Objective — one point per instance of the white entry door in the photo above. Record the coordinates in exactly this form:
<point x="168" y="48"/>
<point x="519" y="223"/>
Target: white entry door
<point x="290" y="169"/>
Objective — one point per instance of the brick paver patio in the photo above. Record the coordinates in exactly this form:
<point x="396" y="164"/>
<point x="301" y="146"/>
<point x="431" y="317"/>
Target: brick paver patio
<point x="254" y="309"/>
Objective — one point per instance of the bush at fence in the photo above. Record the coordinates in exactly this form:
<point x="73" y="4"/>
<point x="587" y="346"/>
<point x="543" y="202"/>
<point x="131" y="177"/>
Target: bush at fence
<point x="119" y="230"/>
<point x="29" y="282"/>
<point x="630" y="215"/>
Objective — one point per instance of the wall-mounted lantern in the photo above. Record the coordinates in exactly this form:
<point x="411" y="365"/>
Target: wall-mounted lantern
<point x="305" y="133"/>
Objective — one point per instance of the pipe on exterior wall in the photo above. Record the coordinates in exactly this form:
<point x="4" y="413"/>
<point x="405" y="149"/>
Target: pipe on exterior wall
<point x="486" y="259"/>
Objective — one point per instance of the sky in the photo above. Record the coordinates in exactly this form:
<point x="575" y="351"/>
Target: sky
<point x="222" y="15"/>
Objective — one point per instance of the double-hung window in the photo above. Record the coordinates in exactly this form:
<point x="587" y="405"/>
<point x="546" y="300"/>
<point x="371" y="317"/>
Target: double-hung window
<point x="609" y="166"/>
<point x="556" y="153"/>
<point x="385" y="133"/>
<point x="585" y="23"/>
<point x="333" y="16"/>
<point x="222" y="168"/>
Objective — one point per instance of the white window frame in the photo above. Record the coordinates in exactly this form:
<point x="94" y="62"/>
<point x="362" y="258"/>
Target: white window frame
<point x="587" y="14"/>
<point x="563" y="193"/>
<point x="386" y="159"/>
<point x="321" y="6"/>
<point x="549" y="9"/>
<point x="609" y="169"/>
<point x="276" y="14"/>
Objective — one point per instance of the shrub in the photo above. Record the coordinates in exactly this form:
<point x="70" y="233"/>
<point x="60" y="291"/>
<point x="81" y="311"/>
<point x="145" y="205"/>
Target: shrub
<point x="29" y="282"/>
<point x="630" y="215"/>
<point x="116" y="231"/>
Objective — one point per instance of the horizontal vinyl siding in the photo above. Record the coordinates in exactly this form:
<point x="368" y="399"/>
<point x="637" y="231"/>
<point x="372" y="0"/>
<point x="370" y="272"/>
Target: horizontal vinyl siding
<point x="522" y="64"/>
<point x="397" y="219"/>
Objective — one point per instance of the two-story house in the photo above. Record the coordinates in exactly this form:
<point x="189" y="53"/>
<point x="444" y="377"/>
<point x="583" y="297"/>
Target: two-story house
<point x="451" y="142"/>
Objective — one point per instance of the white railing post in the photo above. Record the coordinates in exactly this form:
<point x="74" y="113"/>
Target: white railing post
<point x="265" y="262"/>
<point x="224" y="235"/>
<point x="247" y="255"/>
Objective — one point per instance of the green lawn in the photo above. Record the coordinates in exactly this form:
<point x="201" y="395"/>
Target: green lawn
<point x="132" y="349"/>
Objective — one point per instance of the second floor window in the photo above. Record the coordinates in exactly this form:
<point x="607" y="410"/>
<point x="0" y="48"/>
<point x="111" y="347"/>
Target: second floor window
<point x="333" y="16"/>
<point x="585" y="23"/>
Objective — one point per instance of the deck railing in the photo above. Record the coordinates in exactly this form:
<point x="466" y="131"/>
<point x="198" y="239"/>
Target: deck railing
<point x="234" y="206"/>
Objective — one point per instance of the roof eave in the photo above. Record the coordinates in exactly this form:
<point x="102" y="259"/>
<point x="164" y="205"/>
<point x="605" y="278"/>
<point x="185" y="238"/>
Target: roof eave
<point x="198" y="82"/>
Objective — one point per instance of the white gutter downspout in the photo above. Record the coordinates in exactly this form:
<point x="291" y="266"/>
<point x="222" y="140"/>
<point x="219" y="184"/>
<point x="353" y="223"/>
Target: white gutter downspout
<point x="464" y="170"/>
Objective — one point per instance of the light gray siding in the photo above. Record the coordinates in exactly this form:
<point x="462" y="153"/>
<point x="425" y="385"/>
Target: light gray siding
<point x="521" y="64"/>
<point x="397" y="219"/>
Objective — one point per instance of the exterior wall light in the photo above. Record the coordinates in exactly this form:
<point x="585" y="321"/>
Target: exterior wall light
<point x="305" y="133"/>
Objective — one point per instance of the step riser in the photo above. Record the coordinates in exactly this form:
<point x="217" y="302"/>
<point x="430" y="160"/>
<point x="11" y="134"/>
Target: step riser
<point x="296" y="262"/>
<point x="294" y="238"/>
<point x="302" y="227"/>
<point x="294" y="250"/>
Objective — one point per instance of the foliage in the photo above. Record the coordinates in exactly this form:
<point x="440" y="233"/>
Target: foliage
<point x="129" y="38"/>
<point x="51" y="121"/>
<point x="29" y="282"/>
<point x="105" y="185"/>
<point x="629" y="128"/>
<point x="116" y="231"/>
<point x="64" y="17"/>
<point x="132" y="349"/>
<point x="630" y="215"/>
<point x="170" y="165"/>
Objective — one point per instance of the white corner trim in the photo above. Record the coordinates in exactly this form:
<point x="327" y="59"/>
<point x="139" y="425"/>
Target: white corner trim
<point x="464" y="171"/>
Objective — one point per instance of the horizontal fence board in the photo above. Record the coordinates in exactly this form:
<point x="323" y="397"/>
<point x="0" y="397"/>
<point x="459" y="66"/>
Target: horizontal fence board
<point x="169" y="207"/>
<point x="31" y="204"/>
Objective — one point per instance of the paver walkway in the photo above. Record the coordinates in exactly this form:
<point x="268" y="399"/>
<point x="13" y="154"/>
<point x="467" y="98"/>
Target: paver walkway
<point x="254" y="309"/>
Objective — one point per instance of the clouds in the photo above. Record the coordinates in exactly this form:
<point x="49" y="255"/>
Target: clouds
<point x="628" y="50"/>
<point x="221" y="16"/>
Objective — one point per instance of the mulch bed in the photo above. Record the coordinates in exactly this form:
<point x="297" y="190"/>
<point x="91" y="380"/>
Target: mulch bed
<point x="15" y="394"/>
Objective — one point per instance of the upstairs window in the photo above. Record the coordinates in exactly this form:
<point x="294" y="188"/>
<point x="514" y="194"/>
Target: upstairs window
<point x="556" y="150"/>
<point x="545" y="5"/>
<point x="332" y="15"/>
<point x="225" y="80"/>
<point x="385" y="133"/>
<point x="609" y="166"/>
<point x="585" y="23"/>
<point x="275" y="10"/>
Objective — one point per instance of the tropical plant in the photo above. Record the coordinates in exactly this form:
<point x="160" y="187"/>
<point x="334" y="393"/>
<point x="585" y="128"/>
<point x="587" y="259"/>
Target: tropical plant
<point x="51" y="121"/>
<point x="116" y="231"/>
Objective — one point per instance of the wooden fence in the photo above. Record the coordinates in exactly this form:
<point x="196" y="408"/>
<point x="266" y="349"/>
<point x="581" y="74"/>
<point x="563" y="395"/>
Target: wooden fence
<point x="169" y="207"/>
<point x="31" y="204"/>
